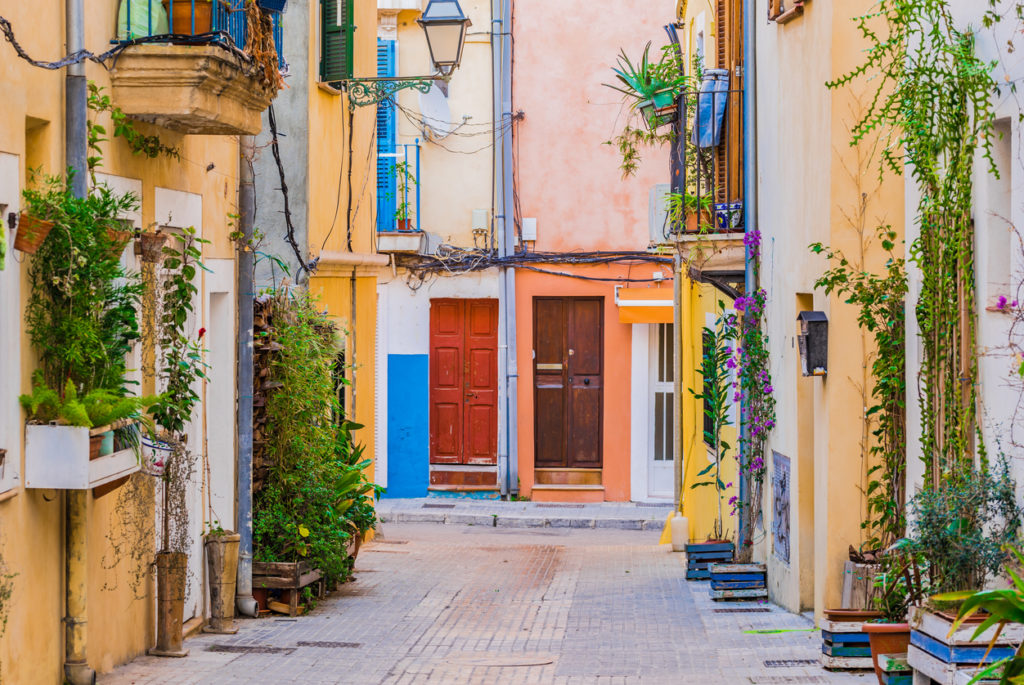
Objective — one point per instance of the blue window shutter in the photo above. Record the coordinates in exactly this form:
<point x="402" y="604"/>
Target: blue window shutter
<point x="387" y="200"/>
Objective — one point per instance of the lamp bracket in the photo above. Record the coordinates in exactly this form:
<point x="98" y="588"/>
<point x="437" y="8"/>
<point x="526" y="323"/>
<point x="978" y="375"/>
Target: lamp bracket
<point x="370" y="91"/>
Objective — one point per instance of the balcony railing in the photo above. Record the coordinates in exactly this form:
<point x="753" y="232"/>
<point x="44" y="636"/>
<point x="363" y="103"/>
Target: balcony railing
<point x="711" y="144"/>
<point x="398" y="188"/>
<point x="198" y="22"/>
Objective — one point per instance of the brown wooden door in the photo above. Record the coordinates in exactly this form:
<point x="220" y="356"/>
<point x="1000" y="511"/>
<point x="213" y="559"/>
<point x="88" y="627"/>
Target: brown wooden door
<point x="463" y="381"/>
<point x="568" y="381"/>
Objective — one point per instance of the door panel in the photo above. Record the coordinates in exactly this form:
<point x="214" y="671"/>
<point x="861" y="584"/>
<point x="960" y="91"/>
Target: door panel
<point x="568" y="382"/>
<point x="464" y="381"/>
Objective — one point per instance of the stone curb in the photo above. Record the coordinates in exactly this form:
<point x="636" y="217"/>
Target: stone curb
<point x="518" y="520"/>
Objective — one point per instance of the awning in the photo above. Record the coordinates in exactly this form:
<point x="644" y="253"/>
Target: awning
<point x="644" y="305"/>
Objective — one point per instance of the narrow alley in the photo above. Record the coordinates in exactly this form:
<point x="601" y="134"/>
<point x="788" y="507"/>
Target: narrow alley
<point x="474" y="604"/>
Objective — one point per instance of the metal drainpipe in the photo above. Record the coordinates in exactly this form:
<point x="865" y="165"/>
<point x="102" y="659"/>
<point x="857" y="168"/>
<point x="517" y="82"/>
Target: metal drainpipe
<point x="244" y="601"/>
<point x="678" y="185"/>
<point x="501" y="23"/>
<point x="76" y="664"/>
<point x="749" y="192"/>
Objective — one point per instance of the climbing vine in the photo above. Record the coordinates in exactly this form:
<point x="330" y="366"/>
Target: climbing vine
<point x="753" y="387"/>
<point x="931" y="106"/>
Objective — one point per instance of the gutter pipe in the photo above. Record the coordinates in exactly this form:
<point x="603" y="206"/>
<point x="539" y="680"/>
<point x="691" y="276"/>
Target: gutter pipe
<point x="244" y="601"/>
<point x="749" y="203"/>
<point x="76" y="663"/>
<point x="501" y="50"/>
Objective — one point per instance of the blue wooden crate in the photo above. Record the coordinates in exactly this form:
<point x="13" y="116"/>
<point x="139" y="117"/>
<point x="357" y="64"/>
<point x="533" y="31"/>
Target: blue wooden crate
<point x="959" y="654"/>
<point x="739" y="576"/>
<point x="830" y="649"/>
<point x="698" y="574"/>
<point x="845" y="638"/>
<point x="735" y="584"/>
<point x="710" y="547"/>
<point x="897" y="679"/>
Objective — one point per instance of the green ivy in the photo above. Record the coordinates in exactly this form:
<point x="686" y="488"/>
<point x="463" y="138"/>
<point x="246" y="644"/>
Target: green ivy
<point x="138" y="143"/>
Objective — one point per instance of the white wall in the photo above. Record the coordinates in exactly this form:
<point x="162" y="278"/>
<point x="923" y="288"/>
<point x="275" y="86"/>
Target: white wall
<point x="10" y="320"/>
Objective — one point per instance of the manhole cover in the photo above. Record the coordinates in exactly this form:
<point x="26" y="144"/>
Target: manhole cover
<point x="789" y="663"/>
<point x="743" y="610"/>
<point x="427" y="505"/>
<point x="559" y="506"/>
<point x="329" y="645"/>
<point x="250" y="649"/>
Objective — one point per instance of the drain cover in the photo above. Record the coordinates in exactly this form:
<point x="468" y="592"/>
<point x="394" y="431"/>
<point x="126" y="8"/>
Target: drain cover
<point x="427" y="505"/>
<point x="559" y="506"/>
<point x="329" y="645"/>
<point x="392" y="542"/>
<point x="250" y="649"/>
<point x="743" y="610"/>
<point x="789" y="663"/>
<point x="765" y="679"/>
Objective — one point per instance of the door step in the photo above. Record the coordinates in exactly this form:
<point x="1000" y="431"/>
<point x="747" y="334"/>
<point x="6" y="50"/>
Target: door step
<point x="567" y="493"/>
<point x="560" y="476"/>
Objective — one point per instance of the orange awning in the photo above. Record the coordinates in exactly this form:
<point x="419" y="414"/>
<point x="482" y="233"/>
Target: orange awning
<point x="644" y="305"/>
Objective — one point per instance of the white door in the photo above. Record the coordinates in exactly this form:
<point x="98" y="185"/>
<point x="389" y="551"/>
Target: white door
<point x="660" y="465"/>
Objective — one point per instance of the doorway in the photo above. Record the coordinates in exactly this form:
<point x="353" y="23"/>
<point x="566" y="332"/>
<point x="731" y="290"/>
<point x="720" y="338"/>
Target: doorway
<point x="568" y="335"/>
<point x="661" y="433"/>
<point x="463" y="381"/>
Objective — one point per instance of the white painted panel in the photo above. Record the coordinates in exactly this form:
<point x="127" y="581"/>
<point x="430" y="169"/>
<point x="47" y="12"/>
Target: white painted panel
<point x="220" y="390"/>
<point x="638" y="412"/>
<point x="178" y="209"/>
<point x="122" y="186"/>
<point x="10" y="320"/>
<point x="380" y="469"/>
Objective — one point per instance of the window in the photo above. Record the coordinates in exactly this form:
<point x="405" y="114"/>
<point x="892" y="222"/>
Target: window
<point x="336" y="30"/>
<point x="386" y="182"/>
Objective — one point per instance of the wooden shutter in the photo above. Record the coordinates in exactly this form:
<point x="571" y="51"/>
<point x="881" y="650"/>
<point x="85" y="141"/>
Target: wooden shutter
<point x="729" y="54"/>
<point x="387" y="195"/>
<point x="336" y="40"/>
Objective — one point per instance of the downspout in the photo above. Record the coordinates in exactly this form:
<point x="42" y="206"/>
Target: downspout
<point x="501" y="47"/>
<point x="678" y="186"/>
<point x="244" y="601"/>
<point x="749" y="210"/>
<point x="76" y="664"/>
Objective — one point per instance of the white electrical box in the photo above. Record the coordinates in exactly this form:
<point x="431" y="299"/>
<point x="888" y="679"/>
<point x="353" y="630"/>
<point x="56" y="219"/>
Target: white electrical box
<point x="481" y="220"/>
<point x="529" y="229"/>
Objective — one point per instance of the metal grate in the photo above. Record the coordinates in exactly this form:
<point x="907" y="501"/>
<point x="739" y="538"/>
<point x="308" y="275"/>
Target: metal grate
<point x="766" y="679"/>
<point x="654" y="505"/>
<point x="250" y="649"/>
<point x="428" y="505"/>
<point x="329" y="645"/>
<point x="391" y="542"/>
<point x="743" y="610"/>
<point x="559" y="506"/>
<point x="789" y="663"/>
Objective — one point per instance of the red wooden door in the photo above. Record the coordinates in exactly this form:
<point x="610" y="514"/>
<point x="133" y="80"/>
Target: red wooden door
<point x="568" y="381"/>
<point x="463" y="381"/>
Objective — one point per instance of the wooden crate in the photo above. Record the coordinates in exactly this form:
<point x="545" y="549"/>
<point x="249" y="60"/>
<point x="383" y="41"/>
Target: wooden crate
<point x="292" y="576"/>
<point x="700" y="556"/>
<point x="737" y="581"/>
<point x="852" y="633"/>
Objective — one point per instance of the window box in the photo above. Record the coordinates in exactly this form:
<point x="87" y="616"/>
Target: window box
<point x="401" y="241"/>
<point x="57" y="457"/>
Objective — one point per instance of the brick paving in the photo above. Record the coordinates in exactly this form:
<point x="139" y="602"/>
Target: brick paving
<point x="479" y="604"/>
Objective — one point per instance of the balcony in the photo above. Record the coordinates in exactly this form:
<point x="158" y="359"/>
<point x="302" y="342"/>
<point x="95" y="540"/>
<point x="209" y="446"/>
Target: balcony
<point x="399" y="226"/>
<point x="192" y="65"/>
<point x="710" y="168"/>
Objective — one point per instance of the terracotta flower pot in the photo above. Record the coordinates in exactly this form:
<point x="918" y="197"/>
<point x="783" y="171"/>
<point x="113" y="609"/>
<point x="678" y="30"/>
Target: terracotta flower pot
<point x="181" y="20"/>
<point x="32" y="231"/>
<point x="118" y="240"/>
<point x="150" y="246"/>
<point x="695" y="222"/>
<point x="405" y="224"/>
<point x="171" y="572"/>
<point x="222" y="563"/>
<point x="886" y="638"/>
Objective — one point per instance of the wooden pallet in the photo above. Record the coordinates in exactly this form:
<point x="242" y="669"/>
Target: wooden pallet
<point x="849" y="633"/>
<point x="700" y="556"/>
<point x="291" y="576"/>
<point x="734" y="577"/>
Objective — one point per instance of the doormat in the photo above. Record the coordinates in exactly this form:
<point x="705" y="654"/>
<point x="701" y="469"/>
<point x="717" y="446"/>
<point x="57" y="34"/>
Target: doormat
<point x="428" y="505"/>
<point x="559" y="506"/>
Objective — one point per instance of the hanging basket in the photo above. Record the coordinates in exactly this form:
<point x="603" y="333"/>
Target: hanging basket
<point x="118" y="241"/>
<point x="32" y="231"/>
<point x="150" y="246"/>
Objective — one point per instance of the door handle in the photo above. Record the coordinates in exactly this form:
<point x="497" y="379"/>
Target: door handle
<point x="470" y="394"/>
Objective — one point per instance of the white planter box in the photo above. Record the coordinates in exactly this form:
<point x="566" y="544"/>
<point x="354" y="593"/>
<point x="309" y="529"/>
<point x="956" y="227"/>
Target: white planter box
<point x="57" y="457"/>
<point x="394" y="241"/>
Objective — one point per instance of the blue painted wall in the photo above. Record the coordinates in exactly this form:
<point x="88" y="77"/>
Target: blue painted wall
<point x="408" y="427"/>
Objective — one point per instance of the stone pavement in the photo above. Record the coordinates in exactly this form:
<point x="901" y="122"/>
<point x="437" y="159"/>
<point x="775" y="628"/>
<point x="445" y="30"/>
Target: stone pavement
<point x="505" y="514"/>
<point x="479" y="604"/>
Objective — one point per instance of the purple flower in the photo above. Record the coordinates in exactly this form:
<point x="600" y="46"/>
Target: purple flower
<point x="1001" y="304"/>
<point x="730" y="363"/>
<point x="768" y="390"/>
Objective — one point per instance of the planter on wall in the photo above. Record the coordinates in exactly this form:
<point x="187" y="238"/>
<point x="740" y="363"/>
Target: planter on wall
<point x="32" y="231"/>
<point x="61" y="458"/>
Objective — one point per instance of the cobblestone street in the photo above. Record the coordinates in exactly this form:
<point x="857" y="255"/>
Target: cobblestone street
<point x="474" y="604"/>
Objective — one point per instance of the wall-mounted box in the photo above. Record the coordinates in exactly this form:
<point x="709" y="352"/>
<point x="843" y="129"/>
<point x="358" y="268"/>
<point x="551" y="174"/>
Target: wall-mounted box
<point x="529" y="230"/>
<point x="57" y="457"/>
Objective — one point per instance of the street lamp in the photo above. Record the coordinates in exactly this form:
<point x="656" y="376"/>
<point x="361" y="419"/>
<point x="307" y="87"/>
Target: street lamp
<point x="445" y="26"/>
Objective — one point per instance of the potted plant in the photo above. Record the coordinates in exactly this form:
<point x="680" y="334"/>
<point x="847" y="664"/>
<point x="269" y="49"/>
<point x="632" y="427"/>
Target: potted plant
<point x="222" y="563"/>
<point x="184" y="14"/>
<point x="650" y="86"/>
<point x="406" y="180"/>
<point x="149" y="245"/>
<point x="716" y="395"/>
<point x="901" y="584"/>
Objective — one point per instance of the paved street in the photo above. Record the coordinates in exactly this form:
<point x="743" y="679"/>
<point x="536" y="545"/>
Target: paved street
<point x="479" y="604"/>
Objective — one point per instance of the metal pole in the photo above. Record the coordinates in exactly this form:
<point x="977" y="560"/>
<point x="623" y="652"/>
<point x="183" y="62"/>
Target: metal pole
<point x="508" y="206"/>
<point x="246" y="290"/>
<point x="678" y="185"/>
<point x="749" y="209"/>
<point x="76" y="664"/>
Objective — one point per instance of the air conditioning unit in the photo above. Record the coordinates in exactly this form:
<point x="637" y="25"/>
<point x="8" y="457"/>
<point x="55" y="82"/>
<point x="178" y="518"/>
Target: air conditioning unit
<point x="657" y="210"/>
